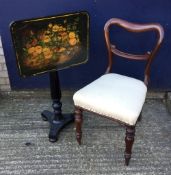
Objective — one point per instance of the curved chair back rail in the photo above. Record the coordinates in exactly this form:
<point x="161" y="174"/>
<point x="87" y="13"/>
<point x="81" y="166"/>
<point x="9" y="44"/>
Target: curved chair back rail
<point x="132" y="27"/>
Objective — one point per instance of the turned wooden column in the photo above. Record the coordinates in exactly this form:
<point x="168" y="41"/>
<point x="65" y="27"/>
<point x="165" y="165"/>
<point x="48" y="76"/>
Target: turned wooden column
<point x="78" y="124"/>
<point x="129" y="140"/>
<point x="55" y="95"/>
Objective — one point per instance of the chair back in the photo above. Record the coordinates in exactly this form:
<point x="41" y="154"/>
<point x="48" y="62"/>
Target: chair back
<point x="133" y="27"/>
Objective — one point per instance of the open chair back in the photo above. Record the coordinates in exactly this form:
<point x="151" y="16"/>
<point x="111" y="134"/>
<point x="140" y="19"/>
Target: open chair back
<point x="132" y="27"/>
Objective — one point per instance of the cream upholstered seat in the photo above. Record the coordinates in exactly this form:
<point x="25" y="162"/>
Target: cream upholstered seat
<point x="125" y="97"/>
<point x="118" y="97"/>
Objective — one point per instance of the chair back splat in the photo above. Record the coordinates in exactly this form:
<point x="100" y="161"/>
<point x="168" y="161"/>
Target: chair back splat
<point x="132" y="27"/>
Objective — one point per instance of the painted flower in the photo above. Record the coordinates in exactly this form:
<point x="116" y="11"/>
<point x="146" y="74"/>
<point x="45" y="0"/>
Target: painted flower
<point x="63" y="58"/>
<point x="31" y="50"/>
<point x="38" y="49"/>
<point x="46" y="39"/>
<point x="47" y="32"/>
<point x="50" y="25"/>
<point x="63" y="34"/>
<point x="34" y="54"/>
<point x="64" y="29"/>
<point x="34" y="42"/>
<point x="59" y="37"/>
<point x="62" y="49"/>
<point x="47" y="53"/>
<point x="73" y="41"/>
<point x="71" y="35"/>
<point x="55" y="28"/>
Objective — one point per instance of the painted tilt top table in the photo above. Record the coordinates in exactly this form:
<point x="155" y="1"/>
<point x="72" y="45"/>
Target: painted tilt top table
<point x="50" y="44"/>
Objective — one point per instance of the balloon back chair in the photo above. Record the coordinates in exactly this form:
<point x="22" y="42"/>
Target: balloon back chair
<point x="114" y="96"/>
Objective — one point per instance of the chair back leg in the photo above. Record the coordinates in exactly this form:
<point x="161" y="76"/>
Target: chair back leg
<point x="129" y="140"/>
<point x="78" y="124"/>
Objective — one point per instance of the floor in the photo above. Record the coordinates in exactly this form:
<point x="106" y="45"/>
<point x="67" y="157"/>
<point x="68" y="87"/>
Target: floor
<point x="25" y="148"/>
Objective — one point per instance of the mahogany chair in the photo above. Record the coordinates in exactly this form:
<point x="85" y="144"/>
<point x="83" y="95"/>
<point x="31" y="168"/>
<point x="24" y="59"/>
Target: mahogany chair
<point x="114" y="96"/>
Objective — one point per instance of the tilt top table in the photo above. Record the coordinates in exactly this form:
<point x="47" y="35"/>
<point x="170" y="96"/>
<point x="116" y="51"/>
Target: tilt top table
<point x="49" y="44"/>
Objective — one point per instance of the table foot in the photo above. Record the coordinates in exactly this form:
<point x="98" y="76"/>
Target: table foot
<point x="56" y="125"/>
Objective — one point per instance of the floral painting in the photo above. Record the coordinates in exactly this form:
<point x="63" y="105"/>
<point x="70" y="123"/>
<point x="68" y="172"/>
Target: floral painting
<point x="51" y="43"/>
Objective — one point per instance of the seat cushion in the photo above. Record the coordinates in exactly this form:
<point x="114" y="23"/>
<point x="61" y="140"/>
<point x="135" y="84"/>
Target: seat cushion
<point x="116" y="96"/>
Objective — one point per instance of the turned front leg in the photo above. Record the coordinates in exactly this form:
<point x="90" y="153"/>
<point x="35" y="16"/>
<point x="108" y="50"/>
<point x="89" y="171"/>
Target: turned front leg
<point x="129" y="140"/>
<point x="78" y="124"/>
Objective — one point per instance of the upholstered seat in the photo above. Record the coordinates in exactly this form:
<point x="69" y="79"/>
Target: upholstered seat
<point x="125" y="97"/>
<point x="118" y="97"/>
